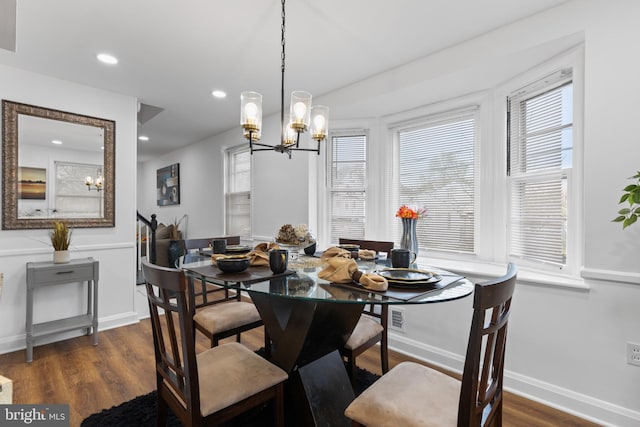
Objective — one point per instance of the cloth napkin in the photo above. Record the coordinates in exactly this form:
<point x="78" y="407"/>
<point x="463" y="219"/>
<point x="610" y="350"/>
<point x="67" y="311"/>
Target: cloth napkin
<point x="260" y="254"/>
<point x="366" y="254"/>
<point x="345" y="270"/>
<point x="335" y="251"/>
<point x="214" y="257"/>
<point x="266" y="247"/>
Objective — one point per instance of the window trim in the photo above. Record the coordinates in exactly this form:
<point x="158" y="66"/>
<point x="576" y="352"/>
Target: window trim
<point x="339" y="128"/>
<point x="227" y="153"/>
<point x="573" y="59"/>
<point x="439" y="117"/>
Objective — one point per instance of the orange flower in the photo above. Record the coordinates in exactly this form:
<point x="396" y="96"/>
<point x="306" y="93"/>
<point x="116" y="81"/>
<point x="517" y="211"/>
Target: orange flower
<point x="406" y="212"/>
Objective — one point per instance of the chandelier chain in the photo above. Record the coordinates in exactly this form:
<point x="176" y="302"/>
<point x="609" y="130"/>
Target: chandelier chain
<point x="282" y="42"/>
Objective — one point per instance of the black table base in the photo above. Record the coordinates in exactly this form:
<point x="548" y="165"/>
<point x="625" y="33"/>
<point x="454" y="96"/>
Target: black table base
<point x="305" y="335"/>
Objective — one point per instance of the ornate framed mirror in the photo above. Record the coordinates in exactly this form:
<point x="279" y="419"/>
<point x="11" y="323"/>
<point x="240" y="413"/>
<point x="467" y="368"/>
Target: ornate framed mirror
<point x="56" y="166"/>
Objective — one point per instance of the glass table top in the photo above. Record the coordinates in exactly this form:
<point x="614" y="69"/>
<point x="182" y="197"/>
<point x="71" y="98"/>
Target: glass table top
<point x="301" y="282"/>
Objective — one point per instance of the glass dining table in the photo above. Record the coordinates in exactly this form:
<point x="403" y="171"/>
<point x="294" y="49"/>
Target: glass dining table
<point x="309" y="319"/>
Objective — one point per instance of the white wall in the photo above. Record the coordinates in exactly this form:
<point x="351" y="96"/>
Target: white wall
<point x="113" y="247"/>
<point x="566" y="347"/>
<point x="277" y="182"/>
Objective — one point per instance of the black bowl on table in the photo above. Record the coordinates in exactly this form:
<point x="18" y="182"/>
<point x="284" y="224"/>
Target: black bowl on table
<point x="311" y="249"/>
<point x="233" y="263"/>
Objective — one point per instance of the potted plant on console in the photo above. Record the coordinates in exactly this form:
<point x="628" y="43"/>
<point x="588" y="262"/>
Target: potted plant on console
<point x="60" y="240"/>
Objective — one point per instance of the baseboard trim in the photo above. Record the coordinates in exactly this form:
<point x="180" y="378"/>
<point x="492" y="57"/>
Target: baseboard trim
<point x="569" y="401"/>
<point x="18" y="342"/>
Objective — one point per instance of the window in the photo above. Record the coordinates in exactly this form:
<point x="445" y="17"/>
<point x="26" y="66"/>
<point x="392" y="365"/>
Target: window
<point x="436" y="171"/>
<point x="540" y="157"/>
<point x="346" y="184"/>
<point x="72" y="199"/>
<point x="238" y="195"/>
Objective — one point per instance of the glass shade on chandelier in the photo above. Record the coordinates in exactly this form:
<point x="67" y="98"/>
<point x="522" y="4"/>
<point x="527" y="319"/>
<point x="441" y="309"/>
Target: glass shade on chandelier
<point x="319" y="122"/>
<point x="251" y="115"/>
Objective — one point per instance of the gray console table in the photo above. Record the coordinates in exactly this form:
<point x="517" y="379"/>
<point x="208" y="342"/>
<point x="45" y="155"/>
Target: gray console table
<point x="40" y="274"/>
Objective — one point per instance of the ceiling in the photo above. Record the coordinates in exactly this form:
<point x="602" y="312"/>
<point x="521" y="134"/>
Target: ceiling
<point x="172" y="54"/>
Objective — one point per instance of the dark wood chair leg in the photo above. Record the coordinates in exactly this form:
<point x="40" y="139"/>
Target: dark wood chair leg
<point x="161" y="412"/>
<point x="278" y="406"/>
<point x="267" y="345"/>
<point x="384" y="356"/>
<point x="351" y="368"/>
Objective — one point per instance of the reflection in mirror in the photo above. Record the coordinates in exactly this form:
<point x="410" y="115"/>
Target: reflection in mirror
<point x="56" y="165"/>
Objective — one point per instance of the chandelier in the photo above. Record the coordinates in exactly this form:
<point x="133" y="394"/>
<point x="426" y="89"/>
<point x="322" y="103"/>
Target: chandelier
<point x="302" y="116"/>
<point x="94" y="184"/>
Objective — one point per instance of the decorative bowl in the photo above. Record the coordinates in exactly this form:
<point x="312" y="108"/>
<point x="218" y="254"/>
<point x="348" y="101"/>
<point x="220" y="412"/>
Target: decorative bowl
<point x="311" y="249"/>
<point x="233" y="263"/>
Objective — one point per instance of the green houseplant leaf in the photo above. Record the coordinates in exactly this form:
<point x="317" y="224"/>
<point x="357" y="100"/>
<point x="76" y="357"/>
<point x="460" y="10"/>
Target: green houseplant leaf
<point x="629" y="215"/>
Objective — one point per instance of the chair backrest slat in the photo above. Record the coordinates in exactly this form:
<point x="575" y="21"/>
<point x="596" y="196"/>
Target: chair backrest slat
<point x="481" y="393"/>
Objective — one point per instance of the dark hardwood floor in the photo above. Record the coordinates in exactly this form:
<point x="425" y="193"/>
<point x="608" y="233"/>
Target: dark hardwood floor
<point x="121" y="367"/>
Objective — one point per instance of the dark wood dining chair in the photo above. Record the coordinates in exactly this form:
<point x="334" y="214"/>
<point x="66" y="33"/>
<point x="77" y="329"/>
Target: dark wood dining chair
<point x="211" y="387"/>
<point x="372" y="326"/>
<point x="203" y="291"/>
<point x="373" y="245"/>
<point x="205" y="243"/>
<point x="411" y="394"/>
<point x="221" y="313"/>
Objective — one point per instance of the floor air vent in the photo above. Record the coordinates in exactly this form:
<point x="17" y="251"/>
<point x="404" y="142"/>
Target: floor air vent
<point x="397" y="319"/>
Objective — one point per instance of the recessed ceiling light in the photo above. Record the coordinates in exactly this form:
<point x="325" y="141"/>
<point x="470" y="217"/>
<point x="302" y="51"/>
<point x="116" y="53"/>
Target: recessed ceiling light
<point x="219" y="93"/>
<point x="105" y="58"/>
<point x="55" y="141"/>
<point x="143" y="138"/>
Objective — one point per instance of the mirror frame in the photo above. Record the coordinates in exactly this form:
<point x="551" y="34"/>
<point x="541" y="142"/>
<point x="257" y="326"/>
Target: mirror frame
<point x="10" y="221"/>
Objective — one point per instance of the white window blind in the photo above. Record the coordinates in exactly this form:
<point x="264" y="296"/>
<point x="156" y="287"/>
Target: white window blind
<point x="347" y="182"/>
<point x="72" y="198"/>
<point x="539" y="166"/>
<point x="436" y="171"/>
<point x="238" y="196"/>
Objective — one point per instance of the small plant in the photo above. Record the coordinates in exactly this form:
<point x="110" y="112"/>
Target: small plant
<point x="628" y="216"/>
<point x="175" y="229"/>
<point x="60" y="236"/>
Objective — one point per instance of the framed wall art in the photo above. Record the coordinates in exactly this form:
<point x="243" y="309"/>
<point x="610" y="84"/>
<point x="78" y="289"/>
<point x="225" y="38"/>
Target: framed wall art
<point x="32" y="183"/>
<point x="168" y="185"/>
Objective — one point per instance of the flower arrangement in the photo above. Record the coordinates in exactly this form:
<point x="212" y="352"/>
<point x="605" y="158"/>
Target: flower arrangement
<point x="60" y="236"/>
<point x="411" y="213"/>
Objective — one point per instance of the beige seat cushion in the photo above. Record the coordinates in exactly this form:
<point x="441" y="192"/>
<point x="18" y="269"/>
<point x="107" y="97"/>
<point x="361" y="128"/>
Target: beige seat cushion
<point x="226" y="315"/>
<point x="366" y="329"/>
<point x="231" y="372"/>
<point x="408" y="395"/>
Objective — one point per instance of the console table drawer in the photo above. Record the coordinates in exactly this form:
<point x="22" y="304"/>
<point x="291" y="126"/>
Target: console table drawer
<point x="67" y="273"/>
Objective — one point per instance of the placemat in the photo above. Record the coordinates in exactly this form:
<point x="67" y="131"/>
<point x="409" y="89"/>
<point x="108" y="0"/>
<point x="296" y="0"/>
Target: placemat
<point x="250" y="275"/>
<point x="406" y="294"/>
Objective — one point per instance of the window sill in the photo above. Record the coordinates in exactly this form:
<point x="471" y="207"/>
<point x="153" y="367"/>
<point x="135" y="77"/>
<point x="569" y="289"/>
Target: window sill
<point x="487" y="270"/>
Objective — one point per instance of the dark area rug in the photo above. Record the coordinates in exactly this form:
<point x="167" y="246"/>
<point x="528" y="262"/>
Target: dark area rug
<point x="141" y="411"/>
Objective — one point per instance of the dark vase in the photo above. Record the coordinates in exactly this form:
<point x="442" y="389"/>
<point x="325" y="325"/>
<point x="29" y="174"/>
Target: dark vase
<point x="175" y="252"/>
<point x="409" y="238"/>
